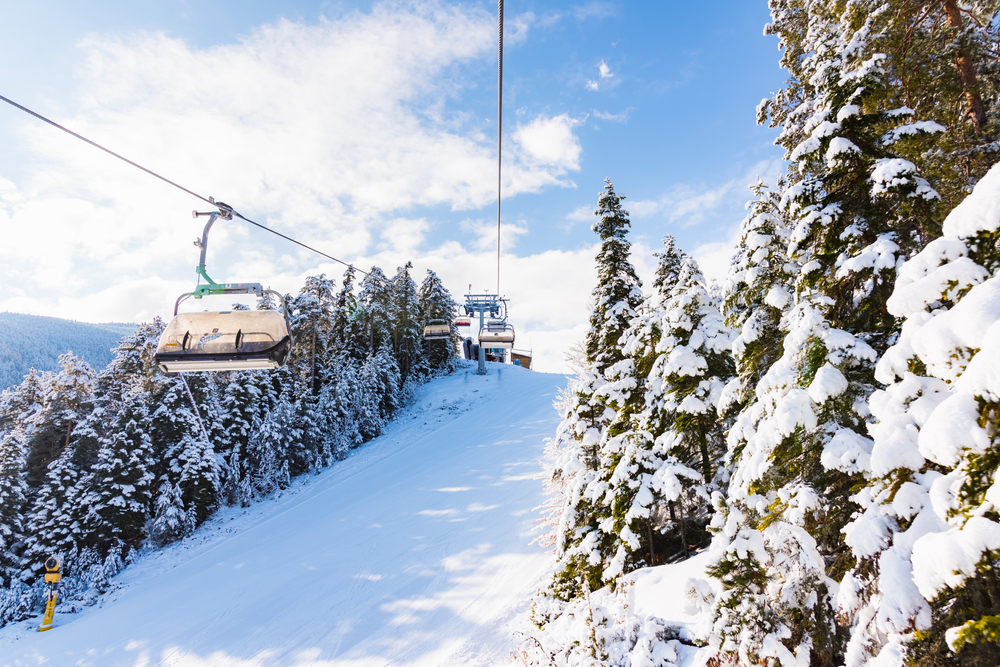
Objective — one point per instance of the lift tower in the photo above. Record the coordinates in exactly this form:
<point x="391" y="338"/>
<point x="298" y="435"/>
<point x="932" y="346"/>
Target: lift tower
<point x="482" y="304"/>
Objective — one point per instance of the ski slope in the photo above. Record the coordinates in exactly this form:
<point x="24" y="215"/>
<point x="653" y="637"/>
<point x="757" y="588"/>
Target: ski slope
<point x="414" y="551"/>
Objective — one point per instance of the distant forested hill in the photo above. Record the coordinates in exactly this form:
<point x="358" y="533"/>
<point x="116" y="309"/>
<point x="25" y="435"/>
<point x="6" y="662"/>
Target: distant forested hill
<point x="32" y="341"/>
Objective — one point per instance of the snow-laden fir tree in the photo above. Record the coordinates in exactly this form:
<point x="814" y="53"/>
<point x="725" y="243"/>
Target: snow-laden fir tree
<point x="311" y="327"/>
<point x="407" y="328"/>
<point x="584" y="536"/>
<point x="55" y="524"/>
<point x="67" y="400"/>
<point x="619" y="290"/>
<point x="436" y="303"/>
<point x="171" y="520"/>
<point x="13" y="497"/>
<point x="376" y="304"/>
<point x="121" y="487"/>
<point x="926" y="540"/>
<point x="658" y="469"/>
<point x="350" y="339"/>
<point x="856" y="209"/>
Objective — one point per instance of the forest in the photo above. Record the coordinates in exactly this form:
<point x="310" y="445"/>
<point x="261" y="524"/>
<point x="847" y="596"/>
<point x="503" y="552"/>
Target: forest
<point x="96" y="466"/>
<point x="826" y="423"/>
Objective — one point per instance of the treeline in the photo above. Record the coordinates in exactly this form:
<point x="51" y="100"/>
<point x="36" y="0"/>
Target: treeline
<point x="828" y="422"/>
<point x="95" y="465"/>
<point x="33" y="341"/>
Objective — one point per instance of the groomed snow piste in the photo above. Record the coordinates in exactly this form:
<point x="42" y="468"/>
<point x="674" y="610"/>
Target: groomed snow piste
<point x="414" y="551"/>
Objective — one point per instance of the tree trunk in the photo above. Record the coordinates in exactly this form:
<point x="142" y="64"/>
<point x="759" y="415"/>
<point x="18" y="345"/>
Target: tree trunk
<point x="965" y="67"/>
<point x="649" y="532"/>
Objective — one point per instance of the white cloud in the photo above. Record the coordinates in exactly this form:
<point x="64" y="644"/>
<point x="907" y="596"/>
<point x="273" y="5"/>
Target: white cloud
<point x="550" y="141"/>
<point x="581" y="213"/>
<point x="614" y="117"/>
<point x="689" y="205"/>
<point x="592" y="85"/>
<point x="485" y="233"/>
<point x="605" y="71"/>
<point x="713" y="258"/>
<point x="330" y="132"/>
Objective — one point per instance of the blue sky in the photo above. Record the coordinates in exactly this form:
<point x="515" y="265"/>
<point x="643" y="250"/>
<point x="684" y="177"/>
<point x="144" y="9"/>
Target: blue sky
<point x="368" y="129"/>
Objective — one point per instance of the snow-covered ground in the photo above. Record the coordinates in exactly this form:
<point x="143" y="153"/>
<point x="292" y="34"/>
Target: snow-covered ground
<point x="414" y="551"/>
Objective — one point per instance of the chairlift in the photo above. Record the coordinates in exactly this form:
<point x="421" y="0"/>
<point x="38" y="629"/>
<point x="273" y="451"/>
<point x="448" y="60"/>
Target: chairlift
<point x="224" y="340"/>
<point x="437" y="330"/>
<point x="497" y="334"/>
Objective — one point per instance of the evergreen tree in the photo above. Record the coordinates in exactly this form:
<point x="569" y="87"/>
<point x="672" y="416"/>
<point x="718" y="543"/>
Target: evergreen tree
<point x="929" y="522"/>
<point x="171" y="520"/>
<point x="67" y="399"/>
<point x="618" y="292"/>
<point x="407" y="329"/>
<point x="376" y="304"/>
<point x="13" y="496"/>
<point x="436" y="303"/>
<point x="348" y="327"/>
<point x="593" y="412"/>
<point x="121" y="493"/>
<point x="55" y="525"/>
<point x="311" y="327"/>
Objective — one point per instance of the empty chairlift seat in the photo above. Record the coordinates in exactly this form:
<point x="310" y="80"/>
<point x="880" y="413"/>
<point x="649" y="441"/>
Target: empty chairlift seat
<point x="224" y="341"/>
<point x="437" y="330"/>
<point x="496" y="334"/>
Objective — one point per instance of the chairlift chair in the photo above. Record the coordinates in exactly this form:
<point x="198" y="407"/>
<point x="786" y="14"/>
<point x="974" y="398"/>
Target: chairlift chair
<point x="437" y="330"/>
<point x="224" y="340"/>
<point x="497" y="334"/>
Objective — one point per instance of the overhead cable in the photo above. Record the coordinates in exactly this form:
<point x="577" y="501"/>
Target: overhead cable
<point x="207" y="200"/>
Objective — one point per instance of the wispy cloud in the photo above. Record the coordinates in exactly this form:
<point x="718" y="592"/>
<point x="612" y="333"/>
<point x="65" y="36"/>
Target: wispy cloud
<point x="581" y="213"/>
<point x="605" y="71"/>
<point x="690" y="205"/>
<point x="484" y="233"/>
<point x="620" y="117"/>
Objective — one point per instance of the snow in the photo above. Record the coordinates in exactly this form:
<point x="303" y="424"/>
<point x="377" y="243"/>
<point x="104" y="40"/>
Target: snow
<point x="414" y="551"/>
<point x="980" y="211"/>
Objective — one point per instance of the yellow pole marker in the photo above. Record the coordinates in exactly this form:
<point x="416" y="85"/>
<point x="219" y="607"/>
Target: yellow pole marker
<point x="52" y="577"/>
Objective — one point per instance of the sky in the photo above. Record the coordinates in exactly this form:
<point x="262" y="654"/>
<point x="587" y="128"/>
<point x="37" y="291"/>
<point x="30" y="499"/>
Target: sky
<point x="368" y="130"/>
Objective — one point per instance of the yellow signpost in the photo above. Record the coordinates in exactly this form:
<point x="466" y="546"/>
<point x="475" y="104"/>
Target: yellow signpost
<point x="52" y="577"/>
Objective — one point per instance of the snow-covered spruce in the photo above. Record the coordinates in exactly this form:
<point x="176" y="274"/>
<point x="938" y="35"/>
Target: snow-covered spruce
<point x="929" y="525"/>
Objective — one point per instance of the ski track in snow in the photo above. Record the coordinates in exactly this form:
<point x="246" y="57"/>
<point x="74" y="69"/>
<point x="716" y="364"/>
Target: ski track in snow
<point x="413" y="551"/>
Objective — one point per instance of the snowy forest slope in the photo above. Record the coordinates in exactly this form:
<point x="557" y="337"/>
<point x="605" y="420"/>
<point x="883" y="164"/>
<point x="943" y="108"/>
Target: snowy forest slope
<point x="32" y="341"/>
<point x="414" y="551"/>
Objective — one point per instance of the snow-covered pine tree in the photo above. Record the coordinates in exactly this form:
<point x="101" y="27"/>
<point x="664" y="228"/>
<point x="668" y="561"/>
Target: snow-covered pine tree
<point x="407" y="329"/>
<point x="927" y="538"/>
<point x="199" y="477"/>
<point x="619" y="291"/>
<point x="585" y="536"/>
<point x="67" y="400"/>
<point x="266" y="461"/>
<point x="349" y="335"/>
<point x="241" y="404"/>
<point x="436" y="303"/>
<point x="757" y="294"/>
<point x="13" y="496"/>
<point x="658" y="460"/>
<point x="942" y="60"/>
<point x="692" y="366"/>
<point x="758" y="291"/>
<point x="376" y="305"/>
<point x="857" y="207"/>
<point x="55" y="525"/>
<point x="121" y="488"/>
<point x="311" y="326"/>
<point x="171" y="520"/>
